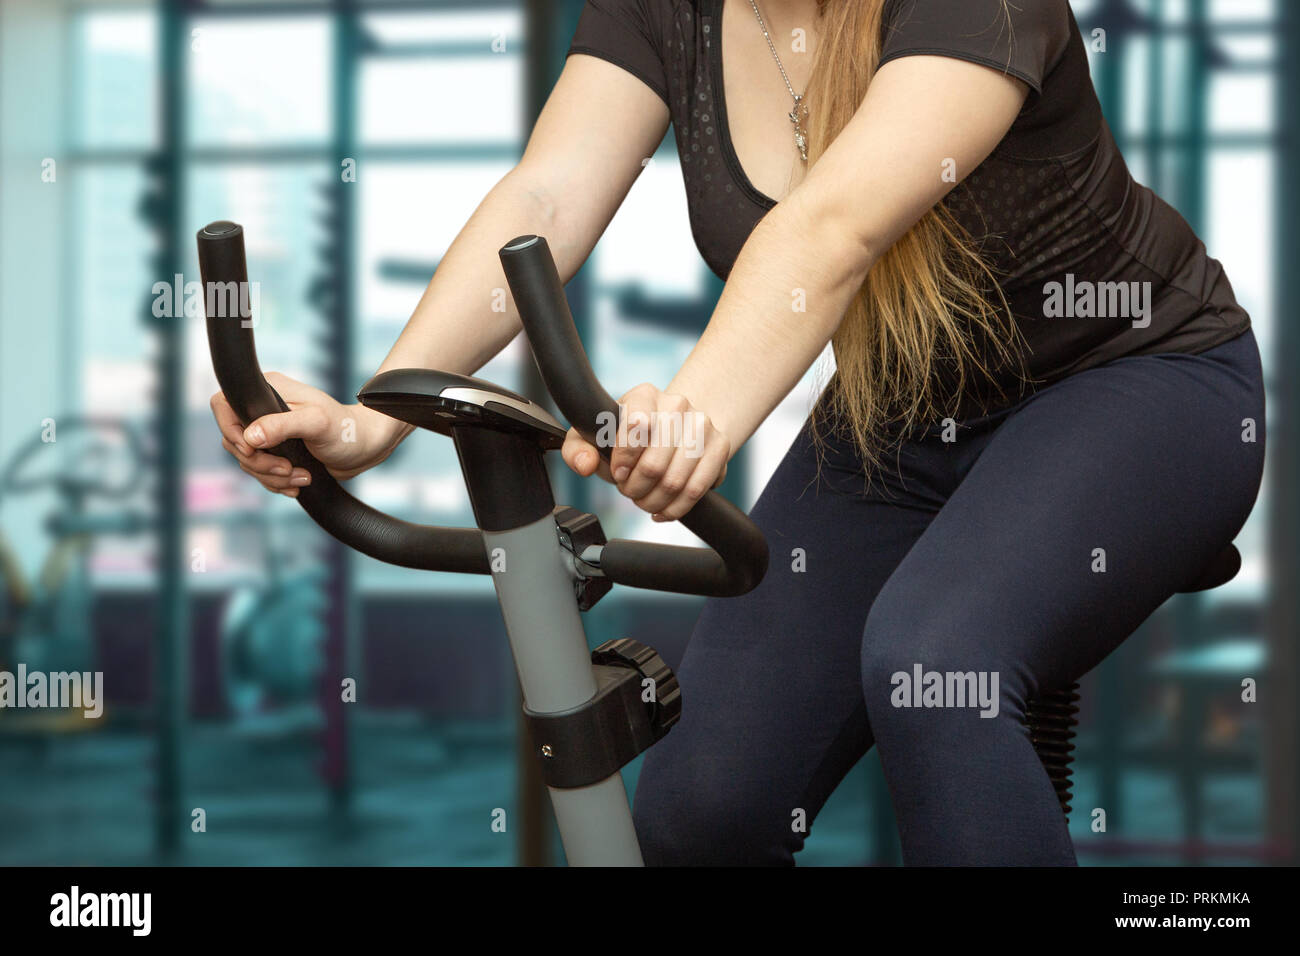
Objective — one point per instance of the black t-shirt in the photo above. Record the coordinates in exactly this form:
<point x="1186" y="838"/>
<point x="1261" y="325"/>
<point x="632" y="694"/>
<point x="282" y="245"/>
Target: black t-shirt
<point x="1078" y="246"/>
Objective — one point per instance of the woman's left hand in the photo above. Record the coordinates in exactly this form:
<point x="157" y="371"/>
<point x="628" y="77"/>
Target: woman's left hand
<point x="667" y="454"/>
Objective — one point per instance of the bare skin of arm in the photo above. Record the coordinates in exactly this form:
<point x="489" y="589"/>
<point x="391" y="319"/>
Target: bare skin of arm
<point x="586" y="150"/>
<point x="879" y="177"/>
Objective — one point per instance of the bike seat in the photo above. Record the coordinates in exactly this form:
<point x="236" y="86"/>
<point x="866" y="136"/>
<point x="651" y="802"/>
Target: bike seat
<point x="441" y="401"/>
<point x="1221" y="570"/>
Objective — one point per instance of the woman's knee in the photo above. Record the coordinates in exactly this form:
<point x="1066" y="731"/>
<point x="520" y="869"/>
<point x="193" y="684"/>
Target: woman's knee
<point x="699" y="819"/>
<point x="904" y="631"/>
<point x="935" y="656"/>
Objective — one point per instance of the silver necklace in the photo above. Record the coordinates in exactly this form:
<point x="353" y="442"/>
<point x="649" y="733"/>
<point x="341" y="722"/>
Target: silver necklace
<point x="800" y="111"/>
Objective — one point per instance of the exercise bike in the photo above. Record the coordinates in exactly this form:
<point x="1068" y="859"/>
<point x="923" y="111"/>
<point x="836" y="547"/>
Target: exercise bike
<point x="589" y="712"/>
<point x="45" y="622"/>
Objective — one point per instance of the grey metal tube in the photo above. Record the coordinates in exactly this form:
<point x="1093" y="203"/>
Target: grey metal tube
<point x="535" y="588"/>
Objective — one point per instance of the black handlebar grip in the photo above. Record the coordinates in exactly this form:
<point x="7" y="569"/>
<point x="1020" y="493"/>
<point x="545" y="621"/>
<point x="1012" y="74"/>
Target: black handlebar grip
<point x="224" y="272"/>
<point x="738" y="559"/>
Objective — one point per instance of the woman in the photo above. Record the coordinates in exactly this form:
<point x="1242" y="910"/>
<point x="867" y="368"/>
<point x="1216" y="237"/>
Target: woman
<point x="1046" y="417"/>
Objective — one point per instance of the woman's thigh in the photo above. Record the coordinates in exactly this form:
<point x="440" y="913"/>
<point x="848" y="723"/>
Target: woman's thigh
<point x="772" y="715"/>
<point x="1089" y="507"/>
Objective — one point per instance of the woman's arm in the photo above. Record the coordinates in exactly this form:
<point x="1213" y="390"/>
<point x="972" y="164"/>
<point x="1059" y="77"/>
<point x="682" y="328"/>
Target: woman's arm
<point x="590" y="143"/>
<point x="588" y="146"/>
<point x="881" y="175"/>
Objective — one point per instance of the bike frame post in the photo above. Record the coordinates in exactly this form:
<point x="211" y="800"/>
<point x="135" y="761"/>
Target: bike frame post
<point x="534" y="579"/>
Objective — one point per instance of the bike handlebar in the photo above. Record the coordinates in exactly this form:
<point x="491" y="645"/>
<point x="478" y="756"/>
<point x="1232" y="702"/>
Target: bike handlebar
<point x="736" y="558"/>
<point x="733" y="564"/>
<point x="224" y="271"/>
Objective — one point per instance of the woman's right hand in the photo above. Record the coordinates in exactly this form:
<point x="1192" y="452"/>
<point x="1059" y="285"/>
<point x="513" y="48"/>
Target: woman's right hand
<point x="346" y="439"/>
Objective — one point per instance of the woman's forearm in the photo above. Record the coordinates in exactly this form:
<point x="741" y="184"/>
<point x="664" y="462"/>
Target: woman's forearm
<point x="786" y="295"/>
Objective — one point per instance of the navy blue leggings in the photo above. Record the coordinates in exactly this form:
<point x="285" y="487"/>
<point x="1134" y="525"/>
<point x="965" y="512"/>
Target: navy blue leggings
<point x="1028" y="548"/>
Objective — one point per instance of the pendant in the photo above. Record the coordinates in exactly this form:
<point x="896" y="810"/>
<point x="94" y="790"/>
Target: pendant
<point x="797" y="117"/>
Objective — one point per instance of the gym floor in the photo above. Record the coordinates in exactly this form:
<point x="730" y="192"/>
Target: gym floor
<point x="424" y="795"/>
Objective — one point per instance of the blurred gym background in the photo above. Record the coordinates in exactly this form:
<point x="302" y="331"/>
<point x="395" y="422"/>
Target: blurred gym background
<point x="223" y="622"/>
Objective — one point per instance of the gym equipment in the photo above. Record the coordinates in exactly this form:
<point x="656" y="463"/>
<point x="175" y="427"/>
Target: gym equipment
<point x="45" y="623"/>
<point x="1052" y="719"/>
<point x="589" y="712"/>
<point x="272" y="629"/>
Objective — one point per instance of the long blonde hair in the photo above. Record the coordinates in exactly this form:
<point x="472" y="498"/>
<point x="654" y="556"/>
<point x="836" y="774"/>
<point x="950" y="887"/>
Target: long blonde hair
<point x="930" y="303"/>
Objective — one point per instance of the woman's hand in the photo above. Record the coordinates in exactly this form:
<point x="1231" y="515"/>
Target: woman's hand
<point x="666" y="454"/>
<point x="346" y="439"/>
